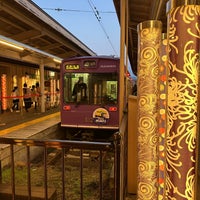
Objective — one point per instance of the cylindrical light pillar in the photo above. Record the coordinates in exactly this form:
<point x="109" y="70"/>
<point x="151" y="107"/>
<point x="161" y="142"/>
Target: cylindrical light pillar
<point x="4" y="91"/>
<point x="183" y="93"/>
<point x="162" y="112"/>
<point x="149" y="43"/>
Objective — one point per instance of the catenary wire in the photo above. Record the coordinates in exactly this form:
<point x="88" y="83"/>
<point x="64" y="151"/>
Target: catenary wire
<point x="74" y="10"/>
<point x="98" y="17"/>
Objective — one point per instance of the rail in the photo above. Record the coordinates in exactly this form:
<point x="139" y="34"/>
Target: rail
<point x="64" y="146"/>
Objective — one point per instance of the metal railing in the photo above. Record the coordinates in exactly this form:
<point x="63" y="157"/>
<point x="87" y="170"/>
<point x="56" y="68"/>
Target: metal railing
<point x="64" y="146"/>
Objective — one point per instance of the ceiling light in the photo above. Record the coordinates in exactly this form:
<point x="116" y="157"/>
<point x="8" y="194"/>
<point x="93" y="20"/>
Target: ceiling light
<point x="57" y="60"/>
<point x="11" y="45"/>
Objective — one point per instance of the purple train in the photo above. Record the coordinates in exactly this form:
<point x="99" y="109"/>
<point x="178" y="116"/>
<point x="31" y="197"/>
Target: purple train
<point x="90" y="92"/>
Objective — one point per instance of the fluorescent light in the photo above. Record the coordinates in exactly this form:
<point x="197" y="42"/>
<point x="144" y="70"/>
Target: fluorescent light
<point x="20" y="46"/>
<point x="11" y="45"/>
<point x="57" y="60"/>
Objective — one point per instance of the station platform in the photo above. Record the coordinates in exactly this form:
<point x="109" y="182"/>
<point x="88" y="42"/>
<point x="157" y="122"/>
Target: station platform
<point x="13" y="122"/>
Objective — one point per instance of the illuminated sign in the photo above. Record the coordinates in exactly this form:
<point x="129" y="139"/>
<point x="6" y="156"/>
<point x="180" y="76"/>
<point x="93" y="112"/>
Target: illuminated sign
<point x="89" y="63"/>
<point x="72" y="66"/>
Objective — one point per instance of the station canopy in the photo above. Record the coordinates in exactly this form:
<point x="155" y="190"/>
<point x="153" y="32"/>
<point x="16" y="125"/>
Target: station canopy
<point x="143" y="10"/>
<point x="28" y="34"/>
<point x="140" y="11"/>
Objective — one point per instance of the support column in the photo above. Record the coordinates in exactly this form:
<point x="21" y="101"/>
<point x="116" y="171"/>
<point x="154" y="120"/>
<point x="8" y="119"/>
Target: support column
<point x="42" y="86"/>
<point x="122" y="57"/>
<point x="182" y="104"/>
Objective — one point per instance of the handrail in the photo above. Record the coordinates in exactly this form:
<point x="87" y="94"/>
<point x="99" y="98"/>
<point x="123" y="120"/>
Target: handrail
<point x="56" y="143"/>
<point x="62" y="145"/>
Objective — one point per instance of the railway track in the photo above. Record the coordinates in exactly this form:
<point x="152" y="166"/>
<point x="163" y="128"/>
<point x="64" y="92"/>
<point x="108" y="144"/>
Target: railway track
<point x="74" y="166"/>
<point x="87" y="161"/>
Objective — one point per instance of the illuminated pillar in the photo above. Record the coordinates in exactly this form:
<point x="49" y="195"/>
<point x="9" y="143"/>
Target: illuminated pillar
<point x="4" y="91"/>
<point x="183" y="87"/>
<point x="149" y="44"/>
<point x="52" y="91"/>
<point x="162" y="116"/>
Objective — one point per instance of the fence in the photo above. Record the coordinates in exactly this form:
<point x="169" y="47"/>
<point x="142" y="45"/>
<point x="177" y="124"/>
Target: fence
<point x="84" y="154"/>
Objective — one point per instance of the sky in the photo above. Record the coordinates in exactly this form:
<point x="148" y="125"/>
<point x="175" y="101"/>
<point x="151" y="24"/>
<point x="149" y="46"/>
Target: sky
<point x="93" y="22"/>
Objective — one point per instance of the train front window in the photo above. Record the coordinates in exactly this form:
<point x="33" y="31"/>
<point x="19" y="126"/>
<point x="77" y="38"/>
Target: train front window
<point x="75" y="87"/>
<point x="85" y="88"/>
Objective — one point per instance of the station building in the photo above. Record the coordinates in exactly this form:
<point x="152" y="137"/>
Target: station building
<point x="32" y="45"/>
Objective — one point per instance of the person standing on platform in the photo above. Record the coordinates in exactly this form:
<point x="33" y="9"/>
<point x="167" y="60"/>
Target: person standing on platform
<point x="57" y="103"/>
<point x="15" y="100"/>
<point x="38" y="93"/>
<point x="27" y="97"/>
<point x="47" y="99"/>
<point x="34" y="96"/>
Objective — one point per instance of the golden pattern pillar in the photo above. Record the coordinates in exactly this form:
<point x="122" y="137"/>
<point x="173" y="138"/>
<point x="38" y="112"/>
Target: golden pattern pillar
<point x="183" y="93"/>
<point x="162" y="112"/>
<point x="149" y="43"/>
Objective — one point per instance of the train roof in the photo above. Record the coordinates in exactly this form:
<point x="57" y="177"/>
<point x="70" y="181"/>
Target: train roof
<point x="91" y="57"/>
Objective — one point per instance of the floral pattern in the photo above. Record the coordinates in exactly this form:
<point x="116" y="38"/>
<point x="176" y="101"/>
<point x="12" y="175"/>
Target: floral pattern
<point x="182" y="102"/>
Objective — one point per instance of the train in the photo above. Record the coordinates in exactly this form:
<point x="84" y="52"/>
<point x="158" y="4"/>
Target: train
<point x="89" y="94"/>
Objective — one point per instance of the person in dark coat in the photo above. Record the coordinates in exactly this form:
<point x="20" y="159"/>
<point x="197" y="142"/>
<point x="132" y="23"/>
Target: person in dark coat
<point x="79" y="91"/>
<point x="27" y="97"/>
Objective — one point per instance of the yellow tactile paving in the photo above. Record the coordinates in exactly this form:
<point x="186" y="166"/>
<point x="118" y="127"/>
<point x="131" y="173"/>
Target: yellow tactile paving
<point x="25" y="124"/>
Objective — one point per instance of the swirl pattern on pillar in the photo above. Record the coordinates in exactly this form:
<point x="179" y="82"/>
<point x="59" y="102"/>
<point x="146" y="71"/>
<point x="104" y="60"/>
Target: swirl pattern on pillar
<point x="148" y="71"/>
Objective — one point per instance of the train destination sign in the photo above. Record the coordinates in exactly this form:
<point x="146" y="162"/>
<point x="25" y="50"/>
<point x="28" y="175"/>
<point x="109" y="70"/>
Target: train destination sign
<point x="72" y="66"/>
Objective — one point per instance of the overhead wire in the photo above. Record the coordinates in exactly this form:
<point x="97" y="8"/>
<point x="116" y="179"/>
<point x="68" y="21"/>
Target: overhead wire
<point x="98" y="17"/>
<point x="74" y="10"/>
